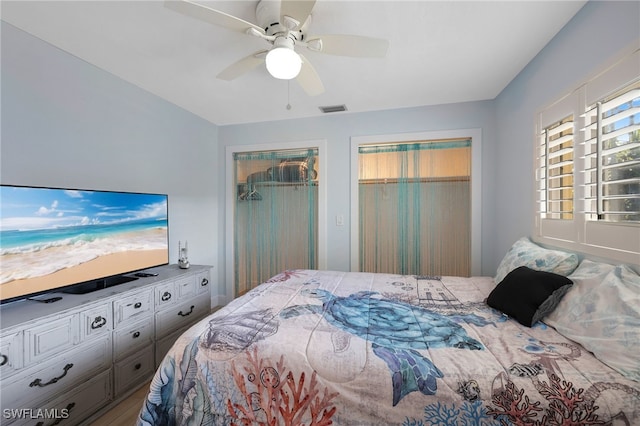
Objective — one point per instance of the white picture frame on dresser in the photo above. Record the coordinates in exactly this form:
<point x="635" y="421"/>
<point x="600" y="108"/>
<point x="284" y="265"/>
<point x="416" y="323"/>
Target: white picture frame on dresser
<point x="70" y="360"/>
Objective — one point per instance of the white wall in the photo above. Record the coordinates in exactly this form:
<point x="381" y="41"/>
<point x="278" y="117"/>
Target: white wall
<point x="593" y="38"/>
<point x="66" y="123"/>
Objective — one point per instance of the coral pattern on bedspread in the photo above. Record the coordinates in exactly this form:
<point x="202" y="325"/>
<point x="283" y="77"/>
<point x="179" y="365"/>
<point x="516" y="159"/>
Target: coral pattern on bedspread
<point x="323" y="347"/>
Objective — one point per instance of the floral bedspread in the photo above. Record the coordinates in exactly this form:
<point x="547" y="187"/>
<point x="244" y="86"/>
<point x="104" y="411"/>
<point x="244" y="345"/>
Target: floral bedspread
<point x="322" y="347"/>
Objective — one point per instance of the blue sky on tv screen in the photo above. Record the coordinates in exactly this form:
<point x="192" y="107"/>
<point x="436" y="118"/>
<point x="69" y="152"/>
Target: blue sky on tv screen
<point x="44" y="230"/>
<point x="32" y="215"/>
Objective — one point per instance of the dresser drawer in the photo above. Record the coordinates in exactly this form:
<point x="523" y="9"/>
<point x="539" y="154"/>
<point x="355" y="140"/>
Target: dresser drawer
<point x="181" y="315"/>
<point x="72" y="408"/>
<point x="202" y="282"/>
<point x="11" y="357"/>
<point x="54" y="377"/>
<point x="133" y="338"/>
<point x="54" y="336"/>
<point x="134" y="307"/>
<point x="134" y="370"/>
<point x="165" y="294"/>
<point x="186" y="287"/>
<point x="96" y="321"/>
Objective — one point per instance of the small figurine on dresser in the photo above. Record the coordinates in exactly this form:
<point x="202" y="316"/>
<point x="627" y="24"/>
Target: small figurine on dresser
<point x="183" y="261"/>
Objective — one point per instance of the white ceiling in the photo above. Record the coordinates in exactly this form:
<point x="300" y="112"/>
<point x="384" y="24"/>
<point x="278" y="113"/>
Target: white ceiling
<point x="439" y="51"/>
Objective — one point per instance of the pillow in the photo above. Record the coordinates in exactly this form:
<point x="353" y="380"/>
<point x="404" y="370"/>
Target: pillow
<point x="526" y="253"/>
<point x="528" y="295"/>
<point x="605" y="318"/>
<point x="593" y="271"/>
<point x="585" y="278"/>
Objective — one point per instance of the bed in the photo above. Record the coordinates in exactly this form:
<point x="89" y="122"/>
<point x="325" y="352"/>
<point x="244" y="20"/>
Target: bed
<point x="312" y="347"/>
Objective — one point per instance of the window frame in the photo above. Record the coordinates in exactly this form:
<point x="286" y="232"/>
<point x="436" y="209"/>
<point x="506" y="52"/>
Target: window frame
<point x="615" y="241"/>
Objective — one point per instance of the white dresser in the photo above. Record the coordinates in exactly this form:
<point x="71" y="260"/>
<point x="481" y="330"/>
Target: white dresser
<point x="63" y="362"/>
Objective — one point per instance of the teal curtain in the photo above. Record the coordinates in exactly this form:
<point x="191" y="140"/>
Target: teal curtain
<point x="276" y="213"/>
<point x="415" y="208"/>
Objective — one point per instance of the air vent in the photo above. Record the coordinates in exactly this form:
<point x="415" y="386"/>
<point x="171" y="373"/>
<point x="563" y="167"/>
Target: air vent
<point x="333" y="108"/>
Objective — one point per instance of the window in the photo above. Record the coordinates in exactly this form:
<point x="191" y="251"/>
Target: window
<point x="588" y="166"/>
<point x="612" y="157"/>
<point x="556" y="169"/>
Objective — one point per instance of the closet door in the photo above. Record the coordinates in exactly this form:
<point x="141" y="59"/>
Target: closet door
<point x="415" y="207"/>
<point x="276" y="214"/>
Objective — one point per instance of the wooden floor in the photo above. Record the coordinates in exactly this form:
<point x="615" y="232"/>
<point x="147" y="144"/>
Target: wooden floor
<point x="125" y="413"/>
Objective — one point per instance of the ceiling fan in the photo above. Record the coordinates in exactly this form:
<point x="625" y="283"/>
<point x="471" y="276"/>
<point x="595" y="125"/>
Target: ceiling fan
<point x="284" y="24"/>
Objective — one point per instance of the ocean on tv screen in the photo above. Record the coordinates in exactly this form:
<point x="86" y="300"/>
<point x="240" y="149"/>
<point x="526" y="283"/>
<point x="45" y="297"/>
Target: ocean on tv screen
<point x="47" y="232"/>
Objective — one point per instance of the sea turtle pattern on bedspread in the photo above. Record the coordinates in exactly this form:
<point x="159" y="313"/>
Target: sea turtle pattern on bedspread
<point x="242" y="366"/>
<point x="397" y="331"/>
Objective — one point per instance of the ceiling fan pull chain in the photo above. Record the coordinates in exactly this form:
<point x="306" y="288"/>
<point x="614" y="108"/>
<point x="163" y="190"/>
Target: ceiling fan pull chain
<point x="288" y="94"/>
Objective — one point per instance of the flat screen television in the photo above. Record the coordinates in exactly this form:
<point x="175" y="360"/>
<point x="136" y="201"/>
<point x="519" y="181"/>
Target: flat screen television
<point x="76" y="241"/>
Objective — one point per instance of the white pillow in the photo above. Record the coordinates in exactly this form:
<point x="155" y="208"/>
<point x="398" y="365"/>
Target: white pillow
<point x="593" y="271"/>
<point x="586" y="277"/>
<point x="604" y="317"/>
<point x="526" y="253"/>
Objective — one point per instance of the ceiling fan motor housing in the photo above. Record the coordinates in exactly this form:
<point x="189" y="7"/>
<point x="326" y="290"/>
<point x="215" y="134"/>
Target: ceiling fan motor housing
<point x="268" y="14"/>
<point x="268" y="17"/>
<point x="287" y="40"/>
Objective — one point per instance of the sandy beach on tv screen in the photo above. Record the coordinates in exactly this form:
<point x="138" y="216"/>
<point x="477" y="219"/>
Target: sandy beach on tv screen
<point x="111" y="264"/>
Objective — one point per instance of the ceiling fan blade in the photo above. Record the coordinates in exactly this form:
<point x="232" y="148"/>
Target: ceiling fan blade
<point x="297" y="9"/>
<point x="242" y="66"/>
<point x="350" y="45"/>
<point x="212" y="16"/>
<point x="309" y="79"/>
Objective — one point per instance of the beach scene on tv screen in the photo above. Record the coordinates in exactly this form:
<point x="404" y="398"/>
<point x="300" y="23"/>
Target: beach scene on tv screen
<point x="54" y="237"/>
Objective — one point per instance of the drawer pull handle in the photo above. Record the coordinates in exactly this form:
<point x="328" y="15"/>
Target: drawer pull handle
<point x="204" y="282"/>
<point x="165" y="296"/>
<point x="3" y="359"/>
<point x="137" y="366"/>
<point x="38" y="382"/>
<point x="98" y="322"/>
<point x="136" y="334"/>
<point x="137" y="305"/>
<point x="188" y="313"/>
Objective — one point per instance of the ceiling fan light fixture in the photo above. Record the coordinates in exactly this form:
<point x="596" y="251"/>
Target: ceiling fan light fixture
<point x="283" y="63"/>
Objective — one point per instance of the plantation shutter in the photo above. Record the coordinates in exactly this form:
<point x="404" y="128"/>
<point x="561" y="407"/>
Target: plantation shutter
<point x="556" y="170"/>
<point x="601" y="162"/>
<point x="612" y="157"/>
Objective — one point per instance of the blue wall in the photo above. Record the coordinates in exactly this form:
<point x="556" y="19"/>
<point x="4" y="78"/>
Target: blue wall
<point x="338" y="129"/>
<point x="66" y="123"/>
<point x="596" y="36"/>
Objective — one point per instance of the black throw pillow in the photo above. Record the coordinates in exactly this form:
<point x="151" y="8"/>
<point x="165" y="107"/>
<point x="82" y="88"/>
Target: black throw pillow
<point x="528" y="295"/>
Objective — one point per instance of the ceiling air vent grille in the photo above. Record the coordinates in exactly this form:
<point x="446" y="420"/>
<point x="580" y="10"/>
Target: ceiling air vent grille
<point x="333" y="108"/>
